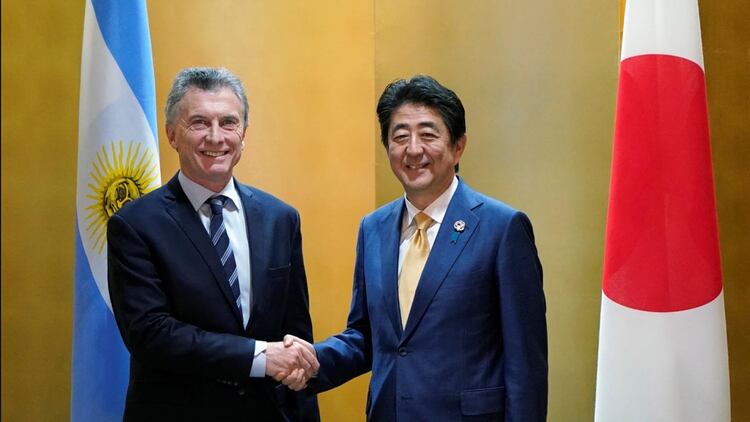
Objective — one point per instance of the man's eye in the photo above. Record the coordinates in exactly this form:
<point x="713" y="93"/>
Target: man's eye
<point x="400" y="137"/>
<point x="230" y="125"/>
<point x="199" y="125"/>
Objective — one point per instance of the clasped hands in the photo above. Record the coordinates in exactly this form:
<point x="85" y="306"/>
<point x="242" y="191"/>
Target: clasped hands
<point x="292" y="362"/>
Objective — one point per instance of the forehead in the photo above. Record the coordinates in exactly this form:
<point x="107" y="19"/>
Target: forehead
<point x="411" y="114"/>
<point x="221" y="100"/>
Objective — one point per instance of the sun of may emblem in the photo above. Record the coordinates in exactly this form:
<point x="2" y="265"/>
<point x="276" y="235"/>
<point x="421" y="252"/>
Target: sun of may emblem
<point x="117" y="178"/>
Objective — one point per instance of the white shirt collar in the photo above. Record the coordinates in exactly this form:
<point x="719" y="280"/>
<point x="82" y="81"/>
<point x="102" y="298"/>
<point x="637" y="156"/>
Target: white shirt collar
<point x="197" y="194"/>
<point x="437" y="209"/>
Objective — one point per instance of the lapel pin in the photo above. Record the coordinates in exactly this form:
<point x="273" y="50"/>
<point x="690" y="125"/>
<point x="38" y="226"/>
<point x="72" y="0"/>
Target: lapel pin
<point x="458" y="227"/>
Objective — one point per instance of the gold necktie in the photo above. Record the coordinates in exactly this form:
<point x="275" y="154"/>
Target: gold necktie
<point x="414" y="261"/>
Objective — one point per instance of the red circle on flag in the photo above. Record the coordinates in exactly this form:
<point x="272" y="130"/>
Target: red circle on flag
<point x="662" y="247"/>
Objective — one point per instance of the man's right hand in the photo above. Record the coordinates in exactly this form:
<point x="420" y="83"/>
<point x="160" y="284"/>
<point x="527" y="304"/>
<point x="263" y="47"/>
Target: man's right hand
<point x="291" y="361"/>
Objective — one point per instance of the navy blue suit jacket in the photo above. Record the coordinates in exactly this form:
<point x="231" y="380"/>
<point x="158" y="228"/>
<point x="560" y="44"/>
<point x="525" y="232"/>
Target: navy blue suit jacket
<point x="475" y="345"/>
<point x="190" y="354"/>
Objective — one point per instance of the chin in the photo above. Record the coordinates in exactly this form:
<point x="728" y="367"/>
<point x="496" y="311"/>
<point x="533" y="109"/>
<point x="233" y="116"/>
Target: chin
<point x="416" y="187"/>
<point x="419" y="180"/>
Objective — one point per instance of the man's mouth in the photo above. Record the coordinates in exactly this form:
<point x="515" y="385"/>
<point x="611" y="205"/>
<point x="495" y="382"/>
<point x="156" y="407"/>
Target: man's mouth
<point x="416" y="166"/>
<point x="214" y="153"/>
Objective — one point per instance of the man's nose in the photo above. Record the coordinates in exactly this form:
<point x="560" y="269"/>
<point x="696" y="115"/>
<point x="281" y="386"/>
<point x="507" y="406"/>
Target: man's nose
<point x="414" y="146"/>
<point x="213" y="133"/>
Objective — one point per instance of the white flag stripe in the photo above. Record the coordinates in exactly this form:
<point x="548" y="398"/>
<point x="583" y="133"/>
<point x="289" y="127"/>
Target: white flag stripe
<point x="109" y="112"/>
<point x="662" y="27"/>
<point x="645" y="355"/>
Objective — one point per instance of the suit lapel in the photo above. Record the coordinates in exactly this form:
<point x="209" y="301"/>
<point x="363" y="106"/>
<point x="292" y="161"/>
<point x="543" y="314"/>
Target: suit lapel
<point x="179" y="208"/>
<point x="389" y="244"/>
<point x="443" y="254"/>
<point x="258" y="244"/>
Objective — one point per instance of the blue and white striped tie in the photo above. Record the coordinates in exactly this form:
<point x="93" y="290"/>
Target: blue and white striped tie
<point x="220" y="239"/>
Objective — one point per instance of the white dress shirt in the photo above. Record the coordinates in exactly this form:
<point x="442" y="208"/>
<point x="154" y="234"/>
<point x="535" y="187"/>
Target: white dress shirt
<point x="234" y="221"/>
<point x="436" y="210"/>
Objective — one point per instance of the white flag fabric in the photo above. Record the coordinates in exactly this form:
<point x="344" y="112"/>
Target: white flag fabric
<point x="117" y="163"/>
<point x="662" y="341"/>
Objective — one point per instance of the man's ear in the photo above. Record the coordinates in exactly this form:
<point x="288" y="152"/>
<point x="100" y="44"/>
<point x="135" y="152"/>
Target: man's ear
<point x="171" y="136"/>
<point x="460" y="146"/>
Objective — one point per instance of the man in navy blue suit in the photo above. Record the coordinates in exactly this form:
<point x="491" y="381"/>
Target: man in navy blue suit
<point x="447" y="307"/>
<point x="206" y="275"/>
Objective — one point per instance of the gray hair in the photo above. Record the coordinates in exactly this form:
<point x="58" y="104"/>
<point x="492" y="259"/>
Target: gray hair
<point x="206" y="79"/>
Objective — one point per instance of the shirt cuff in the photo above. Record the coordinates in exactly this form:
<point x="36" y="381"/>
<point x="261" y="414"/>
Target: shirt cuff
<point x="258" y="367"/>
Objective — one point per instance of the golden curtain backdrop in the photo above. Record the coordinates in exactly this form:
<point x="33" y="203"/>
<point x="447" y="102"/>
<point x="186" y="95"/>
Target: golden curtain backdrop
<point x="538" y="82"/>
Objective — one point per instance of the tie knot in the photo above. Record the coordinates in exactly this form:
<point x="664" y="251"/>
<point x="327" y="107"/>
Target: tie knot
<point x="217" y="204"/>
<point x="423" y="221"/>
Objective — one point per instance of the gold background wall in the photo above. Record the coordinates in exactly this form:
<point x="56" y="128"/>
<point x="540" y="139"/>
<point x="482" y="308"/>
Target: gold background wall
<point x="538" y="80"/>
<point x="539" y="94"/>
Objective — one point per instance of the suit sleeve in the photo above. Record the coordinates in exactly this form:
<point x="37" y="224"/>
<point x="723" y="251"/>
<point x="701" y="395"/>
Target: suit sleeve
<point x="349" y="354"/>
<point x="524" y="327"/>
<point x="153" y="336"/>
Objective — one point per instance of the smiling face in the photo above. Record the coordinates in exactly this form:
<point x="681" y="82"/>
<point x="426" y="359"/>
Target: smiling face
<point x="208" y="135"/>
<point x="421" y="153"/>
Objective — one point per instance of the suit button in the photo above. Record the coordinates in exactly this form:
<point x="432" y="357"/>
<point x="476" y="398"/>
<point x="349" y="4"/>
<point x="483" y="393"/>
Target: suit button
<point x="402" y="351"/>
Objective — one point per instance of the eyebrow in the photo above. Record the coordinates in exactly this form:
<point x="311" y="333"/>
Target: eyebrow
<point x="429" y="124"/>
<point x="203" y="116"/>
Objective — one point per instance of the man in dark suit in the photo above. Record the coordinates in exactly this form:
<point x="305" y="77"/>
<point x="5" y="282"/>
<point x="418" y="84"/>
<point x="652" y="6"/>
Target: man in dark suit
<point x="206" y="275"/>
<point x="447" y="309"/>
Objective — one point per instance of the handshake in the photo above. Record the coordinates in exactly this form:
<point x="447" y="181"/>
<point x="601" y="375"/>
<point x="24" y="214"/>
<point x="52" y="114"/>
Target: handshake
<point x="292" y="362"/>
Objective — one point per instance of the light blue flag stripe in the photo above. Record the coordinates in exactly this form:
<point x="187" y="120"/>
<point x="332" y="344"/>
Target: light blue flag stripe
<point x="100" y="360"/>
<point x="117" y="137"/>
<point x="124" y="26"/>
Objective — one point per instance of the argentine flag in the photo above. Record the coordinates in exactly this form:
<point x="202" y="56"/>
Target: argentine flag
<point x="117" y="162"/>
